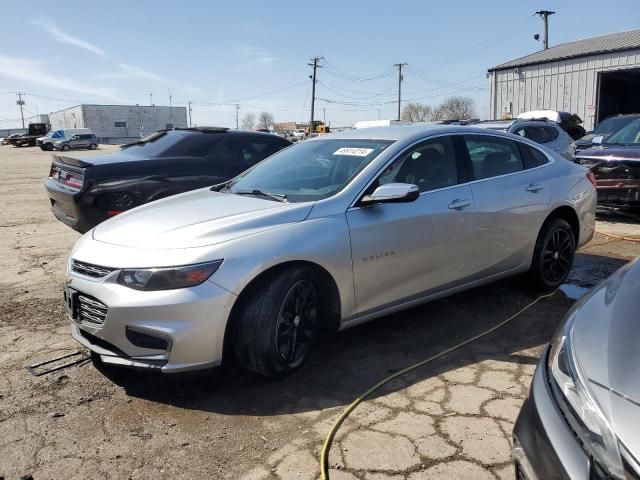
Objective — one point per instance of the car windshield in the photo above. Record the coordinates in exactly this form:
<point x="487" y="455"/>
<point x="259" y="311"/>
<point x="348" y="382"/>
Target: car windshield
<point x="310" y="170"/>
<point x="613" y="124"/>
<point x="629" y="135"/>
<point x="174" y="143"/>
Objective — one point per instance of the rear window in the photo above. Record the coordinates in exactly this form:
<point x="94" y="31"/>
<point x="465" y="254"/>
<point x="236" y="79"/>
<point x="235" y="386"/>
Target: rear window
<point x="532" y="157"/>
<point x="174" y="143"/>
<point x="492" y="156"/>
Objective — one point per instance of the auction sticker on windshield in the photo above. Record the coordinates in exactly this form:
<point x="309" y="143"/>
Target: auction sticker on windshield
<point x="353" y="151"/>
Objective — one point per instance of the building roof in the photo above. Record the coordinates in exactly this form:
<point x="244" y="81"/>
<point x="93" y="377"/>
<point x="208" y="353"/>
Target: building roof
<point x="613" y="42"/>
<point x="81" y="105"/>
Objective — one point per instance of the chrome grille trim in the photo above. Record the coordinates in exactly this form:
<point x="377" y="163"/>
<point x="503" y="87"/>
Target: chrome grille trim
<point x="91" y="309"/>
<point x="90" y="270"/>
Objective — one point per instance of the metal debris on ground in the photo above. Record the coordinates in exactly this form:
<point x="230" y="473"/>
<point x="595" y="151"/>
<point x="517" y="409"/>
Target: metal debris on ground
<point x="70" y="359"/>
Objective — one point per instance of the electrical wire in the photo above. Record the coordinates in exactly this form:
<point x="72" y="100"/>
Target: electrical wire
<point x="331" y="69"/>
<point x="324" y="458"/>
<point x="357" y="98"/>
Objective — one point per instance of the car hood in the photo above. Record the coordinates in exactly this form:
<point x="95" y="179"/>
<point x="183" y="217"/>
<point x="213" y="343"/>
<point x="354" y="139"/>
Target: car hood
<point x="197" y="219"/>
<point x="611" y="153"/>
<point x="605" y="336"/>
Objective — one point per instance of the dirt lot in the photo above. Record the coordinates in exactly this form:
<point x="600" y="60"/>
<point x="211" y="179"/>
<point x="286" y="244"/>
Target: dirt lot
<point x="451" y="419"/>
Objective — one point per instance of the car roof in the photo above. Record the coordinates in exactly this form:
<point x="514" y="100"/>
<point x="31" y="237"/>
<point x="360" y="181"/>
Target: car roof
<point x="224" y="130"/>
<point x="402" y="133"/>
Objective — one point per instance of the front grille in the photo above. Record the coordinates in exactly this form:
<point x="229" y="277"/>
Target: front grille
<point x="91" y="309"/>
<point x="90" y="270"/>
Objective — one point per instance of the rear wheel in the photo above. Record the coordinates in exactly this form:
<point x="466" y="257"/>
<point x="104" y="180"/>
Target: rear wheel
<point x="48" y="147"/>
<point x="277" y="322"/>
<point x="553" y="255"/>
<point x="93" y="146"/>
<point x="65" y="148"/>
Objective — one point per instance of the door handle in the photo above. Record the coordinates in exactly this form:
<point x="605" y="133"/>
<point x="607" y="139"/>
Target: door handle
<point x="534" y="187"/>
<point x="459" y="204"/>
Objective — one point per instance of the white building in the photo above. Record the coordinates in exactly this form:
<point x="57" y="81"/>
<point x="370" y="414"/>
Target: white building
<point x="594" y="78"/>
<point x="119" y="123"/>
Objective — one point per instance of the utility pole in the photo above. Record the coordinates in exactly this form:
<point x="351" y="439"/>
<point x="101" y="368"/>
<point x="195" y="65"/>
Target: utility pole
<point x="151" y="99"/>
<point x="21" y="102"/>
<point x="399" y="65"/>
<point x="544" y="14"/>
<point x="189" y="112"/>
<point x="378" y="113"/>
<point x="237" y="108"/>
<point x="170" y="109"/>
<point x="315" y="65"/>
<point x="324" y="116"/>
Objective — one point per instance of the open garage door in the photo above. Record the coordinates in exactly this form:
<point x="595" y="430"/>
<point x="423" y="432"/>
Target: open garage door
<point x="619" y="92"/>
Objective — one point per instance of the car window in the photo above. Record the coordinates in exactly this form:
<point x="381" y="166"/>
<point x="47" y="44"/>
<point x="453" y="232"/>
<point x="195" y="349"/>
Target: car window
<point x="491" y="156"/>
<point x="430" y="165"/>
<point x="538" y="134"/>
<point x="531" y="157"/>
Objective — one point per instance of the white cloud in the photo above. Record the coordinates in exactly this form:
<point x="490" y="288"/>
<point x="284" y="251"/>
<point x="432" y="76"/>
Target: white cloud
<point x="52" y="28"/>
<point x="254" y="58"/>
<point x="32" y="71"/>
<point x="133" y="71"/>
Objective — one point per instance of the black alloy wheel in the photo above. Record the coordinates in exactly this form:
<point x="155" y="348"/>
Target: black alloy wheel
<point x="296" y="322"/>
<point x="557" y="255"/>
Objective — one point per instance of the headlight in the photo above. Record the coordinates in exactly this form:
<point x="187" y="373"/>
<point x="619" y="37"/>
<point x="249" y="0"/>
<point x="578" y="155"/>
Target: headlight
<point x="579" y="405"/>
<point x="168" y="278"/>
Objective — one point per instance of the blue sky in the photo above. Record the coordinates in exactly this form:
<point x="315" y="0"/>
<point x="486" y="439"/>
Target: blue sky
<point x="220" y="53"/>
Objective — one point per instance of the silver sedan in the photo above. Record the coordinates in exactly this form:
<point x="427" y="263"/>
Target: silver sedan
<point x="328" y="233"/>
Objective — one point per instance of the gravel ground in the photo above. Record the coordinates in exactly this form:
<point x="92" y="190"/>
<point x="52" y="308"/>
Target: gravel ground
<point x="450" y="419"/>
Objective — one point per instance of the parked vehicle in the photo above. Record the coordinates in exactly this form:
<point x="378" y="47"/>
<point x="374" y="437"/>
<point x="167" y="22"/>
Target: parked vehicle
<point x="378" y="123"/>
<point x="82" y="140"/>
<point x="547" y="133"/>
<point x="570" y="122"/>
<point x="7" y="140"/>
<point x="615" y="163"/>
<point x="605" y="128"/>
<point x="46" y="142"/>
<point x="329" y="233"/>
<point x="87" y="190"/>
<point x="582" y="417"/>
<point x="34" y="131"/>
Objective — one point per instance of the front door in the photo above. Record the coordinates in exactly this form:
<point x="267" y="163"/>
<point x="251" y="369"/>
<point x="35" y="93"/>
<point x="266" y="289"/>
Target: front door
<point x="402" y="251"/>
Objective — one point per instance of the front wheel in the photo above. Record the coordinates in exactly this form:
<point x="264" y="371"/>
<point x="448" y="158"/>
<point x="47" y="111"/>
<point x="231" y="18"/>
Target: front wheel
<point x="277" y="322"/>
<point x="65" y="148"/>
<point x="93" y="146"/>
<point x="553" y="255"/>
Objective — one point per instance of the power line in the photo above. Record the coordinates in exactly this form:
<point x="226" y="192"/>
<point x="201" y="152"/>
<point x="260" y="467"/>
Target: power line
<point x="355" y="98"/>
<point x="337" y="72"/>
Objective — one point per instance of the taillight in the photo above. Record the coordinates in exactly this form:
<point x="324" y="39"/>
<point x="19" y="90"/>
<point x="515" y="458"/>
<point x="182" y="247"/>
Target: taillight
<point x="591" y="177"/>
<point x="74" y="179"/>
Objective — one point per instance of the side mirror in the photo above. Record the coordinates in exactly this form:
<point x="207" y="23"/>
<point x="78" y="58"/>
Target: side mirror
<point x="392" y="193"/>
<point x="597" y="140"/>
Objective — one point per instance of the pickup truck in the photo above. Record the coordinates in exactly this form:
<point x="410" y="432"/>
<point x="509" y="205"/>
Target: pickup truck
<point x="35" y="131"/>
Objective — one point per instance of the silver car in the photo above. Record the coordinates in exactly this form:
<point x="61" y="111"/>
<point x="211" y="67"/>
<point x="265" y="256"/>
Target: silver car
<point x="547" y="133"/>
<point x="583" y="412"/>
<point x="327" y="233"/>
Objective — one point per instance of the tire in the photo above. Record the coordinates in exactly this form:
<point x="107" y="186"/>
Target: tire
<point x="553" y="255"/>
<point x="93" y="146"/>
<point x="49" y="147"/>
<point x="277" y="322"/>
<point x="43" y="148"/>
<point x="65" y="148"/>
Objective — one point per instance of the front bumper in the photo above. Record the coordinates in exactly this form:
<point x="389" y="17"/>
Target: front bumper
<point x="545" y="447"/>
<point x="618" y="193"/>
<point x="190" y="324"/>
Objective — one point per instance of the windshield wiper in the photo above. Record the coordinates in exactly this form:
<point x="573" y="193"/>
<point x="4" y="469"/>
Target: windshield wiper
<point x="278" y="197"/>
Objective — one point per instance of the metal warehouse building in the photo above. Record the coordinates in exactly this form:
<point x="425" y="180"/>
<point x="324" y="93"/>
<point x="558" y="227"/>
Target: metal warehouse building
<point x="594" y="78"/>
<point x="119" y="123"/>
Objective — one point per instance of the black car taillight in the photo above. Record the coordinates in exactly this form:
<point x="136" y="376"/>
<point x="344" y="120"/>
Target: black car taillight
<point x="73" y="179"/>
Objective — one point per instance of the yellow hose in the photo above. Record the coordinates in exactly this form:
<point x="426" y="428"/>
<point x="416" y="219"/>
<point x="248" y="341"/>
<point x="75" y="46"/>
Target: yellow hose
<point x="324" y="458"/>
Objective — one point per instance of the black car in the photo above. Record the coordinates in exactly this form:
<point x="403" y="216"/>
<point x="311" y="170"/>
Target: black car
<point x="88" y="190"/>
<point x="605" y="128"/>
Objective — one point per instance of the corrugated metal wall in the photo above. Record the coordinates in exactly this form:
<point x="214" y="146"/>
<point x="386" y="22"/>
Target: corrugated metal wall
<point x="569" y="85"/>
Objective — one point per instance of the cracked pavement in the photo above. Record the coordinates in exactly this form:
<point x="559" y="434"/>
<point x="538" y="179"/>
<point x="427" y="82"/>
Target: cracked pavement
<point x="449" y="419"/>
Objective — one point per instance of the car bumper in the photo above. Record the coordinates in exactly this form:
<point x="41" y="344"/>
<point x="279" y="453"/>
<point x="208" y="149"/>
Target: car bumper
<point x="544" y="445"/>
<point x="71" y="208"/>
<point x="622" y="193"/>
<point x="171" y="330"/>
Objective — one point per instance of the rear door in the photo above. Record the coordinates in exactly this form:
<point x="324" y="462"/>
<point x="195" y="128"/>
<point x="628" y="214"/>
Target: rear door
<point x="511" y="198"/>
<point x="402" y="251"/>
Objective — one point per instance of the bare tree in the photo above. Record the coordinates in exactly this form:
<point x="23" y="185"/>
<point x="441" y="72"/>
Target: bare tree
<point x="458" y="108"/>
<point x="248" y="121"/>
<point x="416" y="112"/>
<point x="265" y="120"/>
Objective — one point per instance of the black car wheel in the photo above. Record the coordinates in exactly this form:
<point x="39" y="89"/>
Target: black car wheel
<point x="65" y="148"/>
<point x="277" y="321"/>
<point x="93" y="146"/>
<point x="553" y="255"/>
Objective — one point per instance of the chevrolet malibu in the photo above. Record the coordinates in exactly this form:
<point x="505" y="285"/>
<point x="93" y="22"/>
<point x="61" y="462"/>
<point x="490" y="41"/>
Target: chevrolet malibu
<point x="583" y="412"/>
<point x="325" y="234"/>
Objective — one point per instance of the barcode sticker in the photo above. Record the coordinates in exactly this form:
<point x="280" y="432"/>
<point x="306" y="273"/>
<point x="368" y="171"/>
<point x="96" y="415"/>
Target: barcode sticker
<point x="353" y="151"/>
